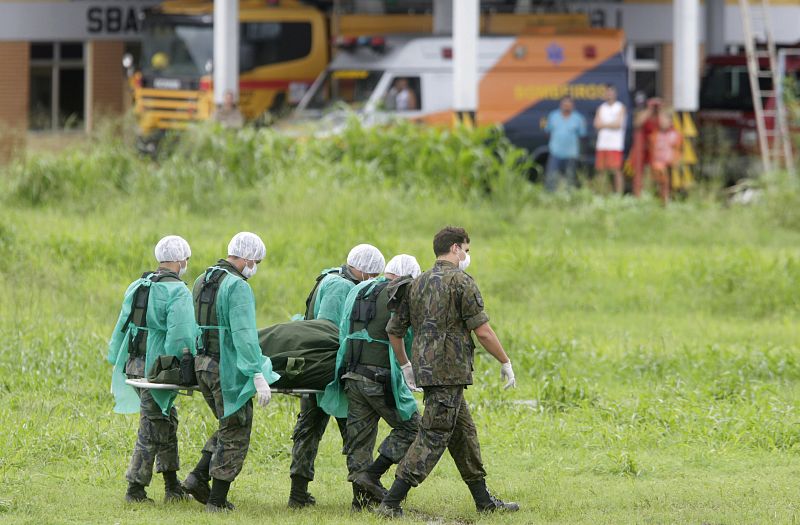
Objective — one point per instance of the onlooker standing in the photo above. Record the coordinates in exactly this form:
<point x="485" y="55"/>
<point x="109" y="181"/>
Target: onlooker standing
<point x="646" y="123"/>
<point x="566" y="127"/>
<point x="228" y="113"/>
<point x="609" y="121"/>
<point x="665" y="148"/>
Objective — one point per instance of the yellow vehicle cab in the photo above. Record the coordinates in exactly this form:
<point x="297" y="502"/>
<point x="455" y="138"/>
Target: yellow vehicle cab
<point x="282" y="49"/>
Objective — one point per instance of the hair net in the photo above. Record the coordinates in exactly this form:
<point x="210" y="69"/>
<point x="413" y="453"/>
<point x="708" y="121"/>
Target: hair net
<point x="247" y="246"/>
<point x="172" y="248"/>
<point x="403" y="265"/>
<point x="366" y="258"/>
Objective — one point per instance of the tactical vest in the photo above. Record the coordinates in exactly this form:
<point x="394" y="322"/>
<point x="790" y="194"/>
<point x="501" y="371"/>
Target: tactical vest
<point x="205" y="312"/>
<point x="137" y="344"/>
<point x="312" y="297"/>
<point x="370" y="312"/>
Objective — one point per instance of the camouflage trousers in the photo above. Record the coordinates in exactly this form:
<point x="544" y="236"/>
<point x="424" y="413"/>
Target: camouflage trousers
<point x="308" y="431"/>
<point x="229" y="444"/>
<point x="156" y="441"/>
<point x="367" y="407"/>
<point x="445" y="424"/>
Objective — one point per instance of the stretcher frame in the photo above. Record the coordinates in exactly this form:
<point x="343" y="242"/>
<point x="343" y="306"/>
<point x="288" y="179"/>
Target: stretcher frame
<point x="189" y="390"/>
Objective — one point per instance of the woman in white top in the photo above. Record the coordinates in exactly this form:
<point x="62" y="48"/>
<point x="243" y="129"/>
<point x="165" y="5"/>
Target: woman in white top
<point x="609" y="121"/>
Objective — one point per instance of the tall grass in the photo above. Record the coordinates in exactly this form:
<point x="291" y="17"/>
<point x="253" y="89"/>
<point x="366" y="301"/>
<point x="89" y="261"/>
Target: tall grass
<point x="656" y="349"/>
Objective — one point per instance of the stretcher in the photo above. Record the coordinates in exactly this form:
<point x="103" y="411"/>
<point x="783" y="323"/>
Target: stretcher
<point x="189" y="390"/>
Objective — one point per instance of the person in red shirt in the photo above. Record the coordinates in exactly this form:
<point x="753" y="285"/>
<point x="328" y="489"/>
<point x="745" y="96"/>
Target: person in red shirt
<point x="665" y="153"/>
<point x="645" y="124"/>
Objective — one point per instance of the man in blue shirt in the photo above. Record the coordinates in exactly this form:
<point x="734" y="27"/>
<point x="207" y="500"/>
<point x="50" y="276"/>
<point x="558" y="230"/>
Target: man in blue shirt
<point x="566" y="127"/>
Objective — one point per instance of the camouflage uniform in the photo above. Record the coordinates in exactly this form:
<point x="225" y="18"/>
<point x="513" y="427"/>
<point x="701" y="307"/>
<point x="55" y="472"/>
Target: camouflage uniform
<point x="228" y="446"/>
<point x="157" y="440"/>
<point x="312" y="420"/>
<point x="367" y="398"/>
<point x="442" y="306"/>
<point x="367" y="407"/>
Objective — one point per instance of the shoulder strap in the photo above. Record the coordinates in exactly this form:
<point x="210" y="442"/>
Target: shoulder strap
<point x="310" y="297"/>
<point x="207" y="299"/>
<point x="138" y="317"/>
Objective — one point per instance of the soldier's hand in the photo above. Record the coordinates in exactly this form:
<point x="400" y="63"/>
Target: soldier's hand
<point x="408" y="375"/>
<point x="263" y="392"/>
<point x="507" y="375"/>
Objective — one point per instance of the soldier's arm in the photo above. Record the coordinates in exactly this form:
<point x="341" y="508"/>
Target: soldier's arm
<point x="244" y="334"/>
<point x="477" y="320"/>
<point x="491" y="342"/>
<point x="397" y="329"/>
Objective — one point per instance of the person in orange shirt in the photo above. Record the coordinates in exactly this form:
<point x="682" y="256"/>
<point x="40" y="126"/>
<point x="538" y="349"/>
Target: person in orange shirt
<point x="665" y="153"/>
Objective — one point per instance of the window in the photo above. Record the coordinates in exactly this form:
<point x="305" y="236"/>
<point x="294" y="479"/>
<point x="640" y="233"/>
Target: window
<point x="350" y="88"/>
<point x="404" y="95"/>
<point x="728" y="87"/>
<point x="57" y="86"/>
<point x="266" y="43"/>
<point x="644" y="69"/>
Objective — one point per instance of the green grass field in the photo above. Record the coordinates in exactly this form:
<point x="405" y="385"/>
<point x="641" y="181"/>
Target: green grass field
<point x="656" y="350"/>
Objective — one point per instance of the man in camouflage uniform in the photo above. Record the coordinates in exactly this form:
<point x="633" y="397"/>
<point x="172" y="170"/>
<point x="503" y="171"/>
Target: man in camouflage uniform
<point x="443" y="306"/>
<point x="224" y="452"/>
<point x="326" y="301"/>
<point x="157" y="439"/>
<point x="366" y="378"/>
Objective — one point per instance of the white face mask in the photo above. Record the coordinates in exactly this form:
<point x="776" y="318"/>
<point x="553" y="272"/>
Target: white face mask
<point x="463" y="263"/>
<point x="183" y="269"/>
<point x="248" y="271"/>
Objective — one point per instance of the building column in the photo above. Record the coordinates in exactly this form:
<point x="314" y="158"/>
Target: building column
<point x="465" y="57"/>
<point x="14" y="97"/>
<point x="715" y="27"/>
<point x="226" y="49"/>
<point x="686" y="59"/>
<point x="105" y="80"/>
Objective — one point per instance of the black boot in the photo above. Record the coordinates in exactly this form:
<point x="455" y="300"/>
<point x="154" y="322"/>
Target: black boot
<point x="136" y="494"/>
<point x="370" y="479"/>
<point x="485" y="502"/>
<point x="173" y="491"/>
<point x="390" y="506"/>
<point x="298" y="494"/>
<point x="196" y="483"/>
<point x="218" y="499"/>
<point x="363" y="499"/>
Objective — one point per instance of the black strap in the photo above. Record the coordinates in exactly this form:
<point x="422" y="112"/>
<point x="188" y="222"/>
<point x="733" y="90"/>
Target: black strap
<point x="206" y="304"/>
<point x="382" y="377"/>
<point x="137" y="344"/>
<point x="320" y="277"/>
<point x="365" y="308"/>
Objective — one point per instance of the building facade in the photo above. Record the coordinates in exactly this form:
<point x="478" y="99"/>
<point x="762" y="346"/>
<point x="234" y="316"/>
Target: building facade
<point x="61" y="60"/>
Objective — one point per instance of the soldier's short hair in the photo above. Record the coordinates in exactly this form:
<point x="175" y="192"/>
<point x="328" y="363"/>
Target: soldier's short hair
<point x="447" y="237"/>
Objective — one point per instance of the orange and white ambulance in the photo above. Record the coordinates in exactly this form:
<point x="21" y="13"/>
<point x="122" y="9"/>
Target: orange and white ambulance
<point x="522" y="78"/>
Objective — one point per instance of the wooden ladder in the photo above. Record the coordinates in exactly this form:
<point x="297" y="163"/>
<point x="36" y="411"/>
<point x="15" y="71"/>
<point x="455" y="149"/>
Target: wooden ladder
<point x="775" y="143"/>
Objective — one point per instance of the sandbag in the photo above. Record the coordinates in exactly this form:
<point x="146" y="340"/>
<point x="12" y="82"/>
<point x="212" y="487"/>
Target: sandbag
<point x="302" y="352"/>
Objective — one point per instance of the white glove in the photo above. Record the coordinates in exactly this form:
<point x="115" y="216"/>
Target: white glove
<point x="507" y="375"/>
<point x="263" y="393"/>
<point x="408" y="375"/>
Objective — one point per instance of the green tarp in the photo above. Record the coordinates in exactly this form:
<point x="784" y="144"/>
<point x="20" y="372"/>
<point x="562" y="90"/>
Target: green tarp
<point x="302" y="352"/>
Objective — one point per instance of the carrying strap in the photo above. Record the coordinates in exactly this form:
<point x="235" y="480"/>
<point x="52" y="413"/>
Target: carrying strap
<point x="309" y="305"/>
<point x="137" y="339"/>
<point x="206" y="305"/>
<point x="365" y="308"/>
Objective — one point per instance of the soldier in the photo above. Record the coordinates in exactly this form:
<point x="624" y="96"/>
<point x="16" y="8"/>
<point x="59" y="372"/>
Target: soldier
<point x="326" y="301"/>
<point x="156" y="320"/>
<point x="230" y="368"/>
<point x="443" y="306"/>
<point x="372" y="386"/>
